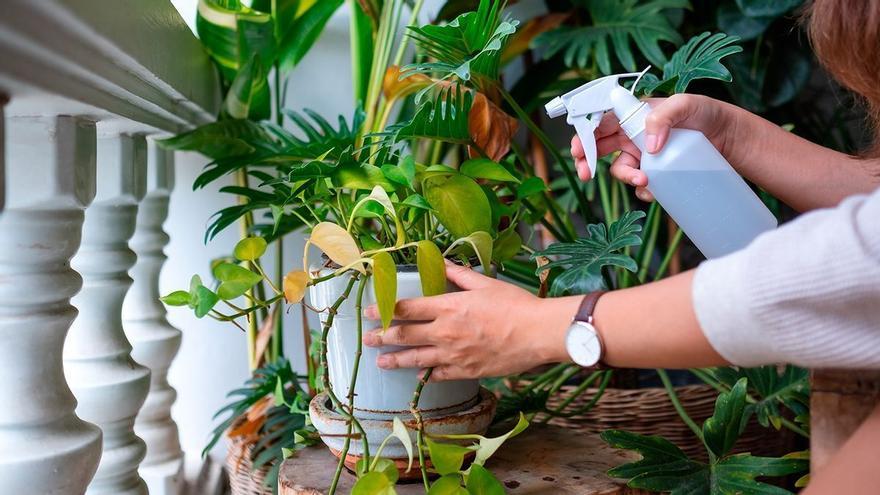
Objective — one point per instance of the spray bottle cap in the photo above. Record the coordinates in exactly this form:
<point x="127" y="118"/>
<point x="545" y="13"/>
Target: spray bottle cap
<point x="586" y="105"/>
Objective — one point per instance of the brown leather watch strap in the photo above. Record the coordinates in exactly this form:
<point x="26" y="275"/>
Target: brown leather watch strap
<point x="588" y="305"/>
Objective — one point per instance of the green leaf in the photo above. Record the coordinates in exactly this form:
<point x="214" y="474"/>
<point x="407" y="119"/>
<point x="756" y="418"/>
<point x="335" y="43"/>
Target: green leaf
<point x="232" y="33"/>
<point x="373" y="483"/>
<point x="361" y="176"/>
<point x="417" y="201"/>
<point x="432" y="269"/>
<point x="203" y="301"/>
<point x="723" y="428"/>
<point x="658" y="456"/>
<point x="383" y="465"/>
<point x="469" y="47"/>
<point x="301" y="35"/>
<point x="484" y="168"/>
<point x="394" y="174"/>
<point x="531" y="187"/>
<point x="279" y="393"/>
<point x="447" y="458"/>
<point x="385" y="286"/>
<point x="399" y="430"/>
<point x="234" y="280"/>
<point x="444" y="119"/>
<point x="176" y="298"/>
<point x="248" y="97"/>
<point x="488" y="446"/>
<point x="481" y="482"/>
<point x="481" y="243"/>
<point x="699" y="58"/>
<point x="506" y="246"/>
<point x="459" y="204"/>
<point x="731" y="20"/>
<point x="587" y="256"/>
<point x="250" y="248"/>
<point x="222" y="139"/>
<point x="766" y="8"/>
<point x="737" y="473"/>
<point x="449" y="484"/>
<point x="616" y="23"/>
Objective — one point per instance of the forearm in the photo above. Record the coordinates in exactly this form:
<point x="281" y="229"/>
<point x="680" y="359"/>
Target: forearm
<point x="650" y="326"/>
<point x="802" y="174"/>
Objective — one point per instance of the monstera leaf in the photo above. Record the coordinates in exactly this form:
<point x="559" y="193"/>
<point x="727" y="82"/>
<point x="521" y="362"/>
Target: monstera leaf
<point x="617" y="22"/>
<point x="699" y="58"/>
<point x="585" y="257"/>
<point x="469" y="47"/>
<point x="664" y="467"/>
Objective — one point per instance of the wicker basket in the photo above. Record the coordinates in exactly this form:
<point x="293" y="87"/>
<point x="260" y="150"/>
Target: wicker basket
<point x="243" y="480"/>
<point x="648" y="411"/>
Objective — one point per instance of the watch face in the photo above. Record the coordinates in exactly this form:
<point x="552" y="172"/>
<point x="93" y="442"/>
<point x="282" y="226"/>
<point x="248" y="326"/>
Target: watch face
<point x="583" y="344"/>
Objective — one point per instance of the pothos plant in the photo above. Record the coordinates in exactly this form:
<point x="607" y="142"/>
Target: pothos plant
<point x="426" y="168"/>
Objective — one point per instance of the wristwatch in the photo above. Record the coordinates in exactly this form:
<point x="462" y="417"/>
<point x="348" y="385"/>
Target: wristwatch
<point x="582" y="341"/>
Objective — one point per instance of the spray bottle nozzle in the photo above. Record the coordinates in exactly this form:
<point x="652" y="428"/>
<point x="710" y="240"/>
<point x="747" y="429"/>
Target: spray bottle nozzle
<point x="586" y="104"/>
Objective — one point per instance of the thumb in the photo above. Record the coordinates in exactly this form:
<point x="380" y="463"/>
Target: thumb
<point x="465" y="278"/>
<point x="664" y="116"/>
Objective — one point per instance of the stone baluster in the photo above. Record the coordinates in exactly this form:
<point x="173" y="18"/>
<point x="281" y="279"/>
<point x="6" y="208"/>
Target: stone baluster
<point x="154" y="340"/>
<point x="50" y="176"/>
<point x="109" y="385"/>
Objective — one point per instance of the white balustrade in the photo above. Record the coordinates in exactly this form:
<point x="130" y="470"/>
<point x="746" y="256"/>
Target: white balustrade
<point x="154" y="340"/>
<point x="50" y="179"/>
<point x="109" y="385"/>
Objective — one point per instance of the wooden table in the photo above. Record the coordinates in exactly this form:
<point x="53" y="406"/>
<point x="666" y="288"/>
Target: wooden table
<point x="542" y="460"/>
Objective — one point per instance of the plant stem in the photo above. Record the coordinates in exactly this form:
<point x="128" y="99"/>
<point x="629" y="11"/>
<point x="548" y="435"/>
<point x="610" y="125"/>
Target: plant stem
<point x="583" y="205"/>
<point x="606" y="379"/>
<point x="673" y="397"/>
<point x="670" y="252"/>
<point x="413" y="20"/>
<point x="652" y="227"/>
<point x="420" y="426"/>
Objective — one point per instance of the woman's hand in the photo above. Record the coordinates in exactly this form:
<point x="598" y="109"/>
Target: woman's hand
<point x="716" y="119"/>
<point x="491" y="328"/>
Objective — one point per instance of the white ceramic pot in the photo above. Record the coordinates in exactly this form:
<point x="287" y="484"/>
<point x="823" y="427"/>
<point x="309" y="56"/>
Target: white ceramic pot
<point x="381" y="394"/>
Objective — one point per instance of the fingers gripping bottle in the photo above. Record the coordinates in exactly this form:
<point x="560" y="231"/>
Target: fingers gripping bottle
<point x="711" y="203"/>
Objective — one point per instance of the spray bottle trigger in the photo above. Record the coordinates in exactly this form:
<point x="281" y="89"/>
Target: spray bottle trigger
<point x="586" y="128"/>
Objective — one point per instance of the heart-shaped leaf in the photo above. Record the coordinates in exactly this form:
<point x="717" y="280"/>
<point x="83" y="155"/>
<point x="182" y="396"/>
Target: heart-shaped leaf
<point x="483" y="168"/>
<point x="481" y="482"/>
<point x="294" y="285"/>
<point x="381" y="465"/>
<point x="432" y="269"/>
<point x="447" y="458"/>
<point x="250" y="248"/>
<point x="337" y="244"/>
<point x="203" y="301"/>
<point x="448" y="485"/>
<point x="506" y="246"/>
<point x="459" y="204"/>
<point x="234" y="280"/>
<point x="385" y="286"/>
<point x="481" y="242"/>
<point x="373" y="483"/>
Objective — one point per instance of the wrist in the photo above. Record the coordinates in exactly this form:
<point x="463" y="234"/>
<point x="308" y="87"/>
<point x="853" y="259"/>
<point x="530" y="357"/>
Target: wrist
<point x="556" y="317"/>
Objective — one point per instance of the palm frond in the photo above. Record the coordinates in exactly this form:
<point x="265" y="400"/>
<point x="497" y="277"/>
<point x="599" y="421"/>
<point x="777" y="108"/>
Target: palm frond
<point x="444" y="118"/>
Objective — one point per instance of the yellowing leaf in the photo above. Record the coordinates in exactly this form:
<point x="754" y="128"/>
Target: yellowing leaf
<point x="394" y="87"/>
<point x="432" y="270"/>
<point x="490" y="128"/>
<point x="385" y="286"/>
<point x="337" y="244"/>
<point x="294" y="285"/>
<point x="250" y="248"/>
<point x="399" y="430"/>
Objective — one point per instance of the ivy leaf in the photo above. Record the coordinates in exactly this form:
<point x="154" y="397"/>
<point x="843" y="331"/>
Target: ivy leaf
<point x="699" y="58"/>
<point x="385" y="286"/>
<point x="617" y="22"/>
<point x="586" y="257"/>
<point x="447" y="458"/>
<point x="723" y="428"/>
<point x="449" y="484"/>
<point x="507" y="245"/>
<point x="203" y="300"/>
<point x="459" y="204"/>
<point x="488" y="446"/>
<point x="483" y="168"/>
<point x="234" y="280"/>
<point x="373" y="483"/>
<point x="432" y="269"/>
<point x="176" y="298"/>
<point x="481" y="482"/>
<point x="531" y="187"/>
<point x="250" y="248"/>
<point x="337" y="244"/>
<point x="481" y="243"/>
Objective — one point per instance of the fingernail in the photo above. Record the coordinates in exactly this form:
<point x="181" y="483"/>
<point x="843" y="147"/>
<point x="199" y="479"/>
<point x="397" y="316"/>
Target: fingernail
<point x="372" y="312"/>
<point x="383" y="362"/>
<point x="643" y="195"/>
<point x="639" y="180"/>
<point x="651" y="143"/>
<point x="371" y="339"/>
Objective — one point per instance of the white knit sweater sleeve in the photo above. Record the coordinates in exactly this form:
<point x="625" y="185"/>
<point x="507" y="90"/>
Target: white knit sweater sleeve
<point x="807" y="293"/>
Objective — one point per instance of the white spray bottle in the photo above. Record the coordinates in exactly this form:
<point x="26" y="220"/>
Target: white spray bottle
<point x="689" y="177"/>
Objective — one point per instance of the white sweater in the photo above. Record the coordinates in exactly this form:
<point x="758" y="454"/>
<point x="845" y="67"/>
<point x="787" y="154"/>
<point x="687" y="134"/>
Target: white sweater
<point x="807" y="293"/>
